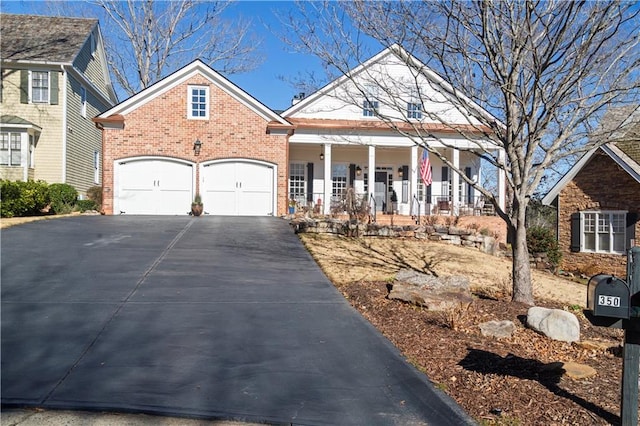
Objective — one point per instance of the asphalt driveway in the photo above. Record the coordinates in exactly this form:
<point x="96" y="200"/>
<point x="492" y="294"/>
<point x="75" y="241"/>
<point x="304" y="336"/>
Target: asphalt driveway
<point x="210" y="317"/>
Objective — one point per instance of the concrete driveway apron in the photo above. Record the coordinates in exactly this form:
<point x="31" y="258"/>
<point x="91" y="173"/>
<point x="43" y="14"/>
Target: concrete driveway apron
<point x="211" y="317"/>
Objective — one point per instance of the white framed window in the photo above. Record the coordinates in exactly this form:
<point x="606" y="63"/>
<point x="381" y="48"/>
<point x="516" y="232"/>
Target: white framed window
<point x="39" y="86"/>
<point x="603" y="231"/>
<point x="296" y="181"/>
<point x="370" y="104"/>
<point x="83" y="102"/>
<point x="414" y="110"/>
<point x="10" y="149"/>
<point x="96" y="167"/>
<point x="369" y="108"/>
<point x="339" y="180"/>
<point x="198" y="103"/>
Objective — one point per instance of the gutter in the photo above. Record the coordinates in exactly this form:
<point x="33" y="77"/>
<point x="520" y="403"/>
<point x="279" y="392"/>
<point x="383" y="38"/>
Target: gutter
<point x="64" y="124"/>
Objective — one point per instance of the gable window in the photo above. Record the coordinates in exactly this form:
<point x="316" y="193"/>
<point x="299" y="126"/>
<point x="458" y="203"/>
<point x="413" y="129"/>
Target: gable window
<point x="370" y="104"/>
<point x="369" y="108"/>
<point x="603" y="232"/>
<point x="198" y="106"/>
<point x="414" y="110"/>
<point x="40" y="86"/>
<point x="296" y="182"/>
<point x="10" y="149"/>
<point x="83" y="102"/>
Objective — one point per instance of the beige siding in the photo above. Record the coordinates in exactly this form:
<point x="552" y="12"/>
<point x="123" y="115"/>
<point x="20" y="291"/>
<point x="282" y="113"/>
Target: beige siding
<point x="92" y="67"/>
<point x="48" y="151"/>
<point x="83" y="138"/>
<point x="11" y="173"/>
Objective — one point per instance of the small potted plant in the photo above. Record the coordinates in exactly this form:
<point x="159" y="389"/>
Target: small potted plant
<point x="292" y="206"/>
<point x="196" y="206"/>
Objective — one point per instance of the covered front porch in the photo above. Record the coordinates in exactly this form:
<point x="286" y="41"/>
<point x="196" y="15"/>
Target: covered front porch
<point x="385" y="179"/>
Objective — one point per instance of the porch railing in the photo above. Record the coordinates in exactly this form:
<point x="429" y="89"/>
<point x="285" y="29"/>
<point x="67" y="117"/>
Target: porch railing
<point x="435" y="205"/>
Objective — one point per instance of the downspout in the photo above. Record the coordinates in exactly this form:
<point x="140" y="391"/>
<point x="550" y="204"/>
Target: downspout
<point x="64" y="124"/>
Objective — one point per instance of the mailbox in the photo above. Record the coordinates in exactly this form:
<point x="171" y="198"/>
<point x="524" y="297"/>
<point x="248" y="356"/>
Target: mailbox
<point x="608" y="296"/>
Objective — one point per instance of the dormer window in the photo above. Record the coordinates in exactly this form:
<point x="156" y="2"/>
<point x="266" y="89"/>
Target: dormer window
<point x="198" y="103"/>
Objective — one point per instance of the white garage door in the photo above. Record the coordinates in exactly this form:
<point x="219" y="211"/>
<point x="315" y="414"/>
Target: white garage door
<point x="237" y="188"/>
<point x="156" y="186"/>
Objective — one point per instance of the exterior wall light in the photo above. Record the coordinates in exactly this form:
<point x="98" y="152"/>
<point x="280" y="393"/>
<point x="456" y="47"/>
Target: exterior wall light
<point x="358" y="171"/>
<point x="197" y="145"/>
<point x="400" y="171"/>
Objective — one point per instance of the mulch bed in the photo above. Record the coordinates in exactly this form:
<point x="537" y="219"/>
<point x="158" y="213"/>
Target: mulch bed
<point x="500" y="381"/>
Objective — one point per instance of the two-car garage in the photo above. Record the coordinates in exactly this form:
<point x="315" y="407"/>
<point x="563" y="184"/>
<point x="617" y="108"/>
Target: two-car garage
<point x="165" y="186"/>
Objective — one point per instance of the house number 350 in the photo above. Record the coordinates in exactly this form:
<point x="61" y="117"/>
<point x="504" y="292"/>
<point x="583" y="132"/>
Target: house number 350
<point x="609" y="301"/>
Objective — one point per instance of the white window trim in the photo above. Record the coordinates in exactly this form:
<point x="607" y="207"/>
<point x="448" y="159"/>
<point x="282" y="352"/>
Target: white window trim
<point x="189" y="105"/>
<point x="83" y="101"/>
<point x="412" y="113"/>
<point x="582" y="231"/>
<point x="96" y="167"/>
<point x="48" y="101"/>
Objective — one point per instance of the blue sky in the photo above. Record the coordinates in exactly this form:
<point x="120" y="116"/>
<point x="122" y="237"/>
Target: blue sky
<point x="279" y="59"/>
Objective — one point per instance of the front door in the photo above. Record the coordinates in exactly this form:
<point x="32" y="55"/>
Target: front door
<point x="380" y="191"/>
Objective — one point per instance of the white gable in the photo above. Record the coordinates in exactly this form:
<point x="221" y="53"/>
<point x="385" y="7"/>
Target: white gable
<point x="394" y="85"/>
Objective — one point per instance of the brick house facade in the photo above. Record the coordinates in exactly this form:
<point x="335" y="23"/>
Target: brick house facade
<point x="601" y="185"/>
<point x="154" y="128"/>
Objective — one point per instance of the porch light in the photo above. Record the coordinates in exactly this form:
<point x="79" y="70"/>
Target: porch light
<point x="322" y="156"/>
<point x="400" y="171"/>
<point x="196" y="147"/>
<point x="358" y="171"/>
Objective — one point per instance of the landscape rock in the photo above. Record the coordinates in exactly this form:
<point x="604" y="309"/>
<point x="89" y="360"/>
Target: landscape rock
<point x="554" y="323"/>
<point x="497" y="329"/>
<point x="411" y="276"/>
<point x="596" y="345"/>
<point x="434" y="300"/>
<point x="434" y="293"/>
<point x="573" y="370"/>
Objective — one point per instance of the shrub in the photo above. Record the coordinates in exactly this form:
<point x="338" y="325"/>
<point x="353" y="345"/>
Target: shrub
<point x="63" y="197"/>
<point x="85" y="205"/>
<point x="95" y="194"/>
<point x="23" y="198"/>
<point x="543" y="240"/>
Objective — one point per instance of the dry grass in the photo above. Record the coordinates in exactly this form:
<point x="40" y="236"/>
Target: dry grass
<point x="346" y="260"/>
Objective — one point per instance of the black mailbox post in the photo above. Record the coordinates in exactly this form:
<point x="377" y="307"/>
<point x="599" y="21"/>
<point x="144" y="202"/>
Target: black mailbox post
<point x="608" y="296"/>
<point x="611" y="302"/>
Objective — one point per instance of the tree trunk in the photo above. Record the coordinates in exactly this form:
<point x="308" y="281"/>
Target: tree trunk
<point x="521" y="269"/>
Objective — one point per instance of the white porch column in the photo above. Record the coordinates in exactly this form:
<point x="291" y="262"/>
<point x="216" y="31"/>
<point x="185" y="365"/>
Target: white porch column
<point x="372" y="173"/>
<point x="455" y="183"/>
<point x="413" y="185"/>
<point x="502" y="187"/>
<point x="328" y="179"/>
<point x="24" y="155"/>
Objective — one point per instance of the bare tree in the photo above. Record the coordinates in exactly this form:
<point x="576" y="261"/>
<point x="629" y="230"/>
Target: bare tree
<point x="146" y="40"/>
<point x="534" y="79"/>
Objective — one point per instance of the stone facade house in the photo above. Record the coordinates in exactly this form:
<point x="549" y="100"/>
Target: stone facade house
<point x="194" y="132"/>
<point x="54" y="81"/>
<point x="598" y="204"/>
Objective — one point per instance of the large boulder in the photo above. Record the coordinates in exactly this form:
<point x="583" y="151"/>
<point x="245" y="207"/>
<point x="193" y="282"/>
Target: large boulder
<point x="554" y="323"/>
<point x="434" y="293"/>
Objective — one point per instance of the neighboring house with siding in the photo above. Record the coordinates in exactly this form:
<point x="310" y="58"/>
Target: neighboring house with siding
<point x="54" y="81"/>
<point x="598" y="201"/>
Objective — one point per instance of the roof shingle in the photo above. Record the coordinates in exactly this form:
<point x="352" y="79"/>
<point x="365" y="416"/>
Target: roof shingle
<point x="42" y="38"/>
